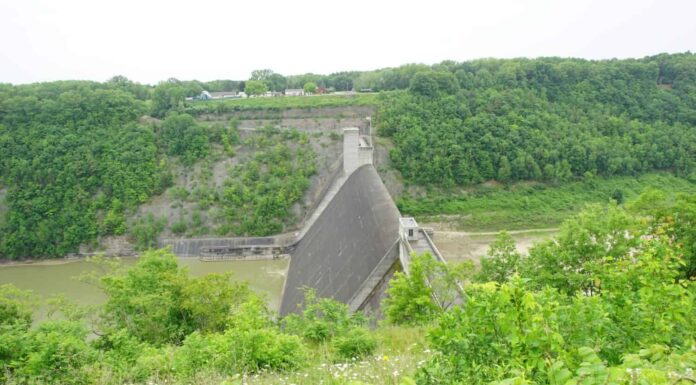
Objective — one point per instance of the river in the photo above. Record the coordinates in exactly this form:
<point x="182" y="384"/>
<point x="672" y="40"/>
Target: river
<point x="48" y="278"/>
<point x="266" y="277"/>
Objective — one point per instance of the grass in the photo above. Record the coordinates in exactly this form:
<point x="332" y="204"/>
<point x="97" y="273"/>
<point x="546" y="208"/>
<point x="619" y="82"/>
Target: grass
<point x="279" y="103"/>
<point x="532" y="205"/>
<point x="401" y="351"/>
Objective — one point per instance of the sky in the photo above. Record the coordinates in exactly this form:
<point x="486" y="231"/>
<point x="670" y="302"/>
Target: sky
<point x="152" y="40"/>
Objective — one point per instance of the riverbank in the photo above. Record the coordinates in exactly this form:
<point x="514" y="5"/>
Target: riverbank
<point x="526" y="205"/>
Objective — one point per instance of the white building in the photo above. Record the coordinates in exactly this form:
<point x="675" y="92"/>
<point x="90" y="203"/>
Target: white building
<point x="224" y="95"/>
<point x="408" y="229"/>
<point x="294" y="92"/>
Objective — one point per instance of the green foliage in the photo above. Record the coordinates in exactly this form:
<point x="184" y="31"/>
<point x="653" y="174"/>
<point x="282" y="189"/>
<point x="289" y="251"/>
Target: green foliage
<point x="255" y="88"/>
<point x="167" y="96"/>
<point x="146" y="300"/>
<point x="15" y="319"/>
<point x="544" y="119"/>
<point x="114" y="221"/>
<point x="179" y="227"/>
<point x="58" y="354"/>
<point x="274" y="81"/>
<point x="502" y="260"/>
<point x="252" y="350"/>
<point x="611" y="286"/>
<point x="322" y="319"/>
<point x="279" y="104"/>
<point x="310" y="88"/>
<point x="523" y="205"/>
<point x="183" y="137"/>
<point x="680" y="214"/>
<point x="178" y="193"/>
<point x="356" y="343"/>
<point x="211" y="300"/>
<point x="73" y="157"/>
<point x="259" y="194"/>
<point x="251" y="343"/>
<point x="434" y="83"/>
<point x="429" y="288"/>
<point x="157" y="303"/>
<point x="327" y="321"/>
<point x="595" y="233"/>
<point x="409" y="298"/>
<point x="16" y="306"/>
<point x="146" y="230"/>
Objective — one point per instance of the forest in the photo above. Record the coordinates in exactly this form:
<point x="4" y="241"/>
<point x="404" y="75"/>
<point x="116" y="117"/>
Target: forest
<point x="611" y="300"/>
<point x="549" y="120"/>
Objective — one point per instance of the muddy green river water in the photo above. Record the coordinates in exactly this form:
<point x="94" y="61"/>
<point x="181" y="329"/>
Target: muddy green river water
<point x="49" y="278"/>
<point x="266" y="277"/>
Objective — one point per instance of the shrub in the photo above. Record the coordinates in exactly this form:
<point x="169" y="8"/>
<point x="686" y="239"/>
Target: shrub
<point x="356" y="343"/>
<point x="409" y="298"/>
<point x="146" y="230"/>
<point x="322" y="319"/>
<point x="501" y="261"/>
<point x="59" y="354"/>
<point x="196" y="354"/>
<point x="179" y="227"/>
<point x="252" y="350"/>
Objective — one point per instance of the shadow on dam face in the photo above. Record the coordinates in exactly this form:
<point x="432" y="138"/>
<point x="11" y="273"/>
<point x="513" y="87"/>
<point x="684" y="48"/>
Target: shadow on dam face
<point x="344" y="245"/>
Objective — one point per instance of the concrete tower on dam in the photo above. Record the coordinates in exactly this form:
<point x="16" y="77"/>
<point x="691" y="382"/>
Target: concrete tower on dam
<point x="357" y="149"/>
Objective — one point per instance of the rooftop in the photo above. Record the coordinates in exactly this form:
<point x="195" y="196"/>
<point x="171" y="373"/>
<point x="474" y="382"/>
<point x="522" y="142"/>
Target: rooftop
<point x="408" y="222"/>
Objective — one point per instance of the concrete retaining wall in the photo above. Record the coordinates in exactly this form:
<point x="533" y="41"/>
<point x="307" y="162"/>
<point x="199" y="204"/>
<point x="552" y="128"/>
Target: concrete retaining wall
<point x="364" y="156"/>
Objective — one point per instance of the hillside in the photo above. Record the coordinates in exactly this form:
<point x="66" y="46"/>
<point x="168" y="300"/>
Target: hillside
<point x="88" y="164"/>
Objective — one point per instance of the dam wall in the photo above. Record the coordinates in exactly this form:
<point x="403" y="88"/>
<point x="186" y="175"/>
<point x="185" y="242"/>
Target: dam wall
<point x="342" y="248"/>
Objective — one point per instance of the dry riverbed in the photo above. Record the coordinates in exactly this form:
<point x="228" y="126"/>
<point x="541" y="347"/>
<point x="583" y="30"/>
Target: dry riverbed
<point x="458" y="246"/>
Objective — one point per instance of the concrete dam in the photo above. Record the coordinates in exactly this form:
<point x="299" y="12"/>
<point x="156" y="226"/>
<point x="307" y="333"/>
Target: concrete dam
<point x="346" y="243"/>
<point x="348" y="249"/>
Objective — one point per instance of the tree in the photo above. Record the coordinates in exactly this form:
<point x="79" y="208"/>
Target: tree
<point x="263" y="74"/>
<point x="274" y="81"/>
<point x="184" y="137"/>
<point x="504" y="171"/>
<point x="430" y="288"/>
<point x="502" y="260"/>
<point x="434" y="83"/>
<point x="409" y="298"/>
<point x="255" y="88"/>
<point x="310" y="87"/>
<point x="595" y="233"/>
<point x="167" y="96"/>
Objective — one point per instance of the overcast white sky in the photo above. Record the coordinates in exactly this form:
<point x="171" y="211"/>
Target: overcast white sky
<point x="152" y="40"/>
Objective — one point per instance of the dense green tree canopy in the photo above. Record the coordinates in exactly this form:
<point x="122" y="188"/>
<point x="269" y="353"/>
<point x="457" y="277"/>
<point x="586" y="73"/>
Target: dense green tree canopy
<point x="310" y="87"/>
<point x="71" y="152"/>
<point x="255" y="88"/>
<point x="544" y="119"/>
